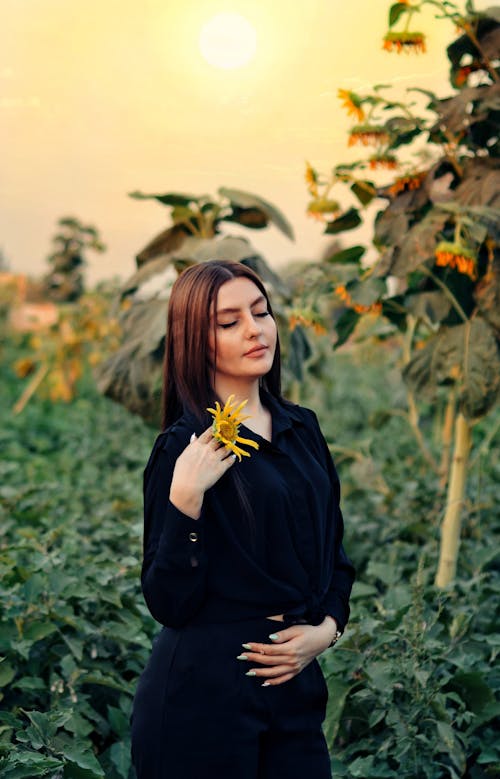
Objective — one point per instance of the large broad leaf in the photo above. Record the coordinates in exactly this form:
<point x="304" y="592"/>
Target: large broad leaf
<point x="365" y="191"/>
<point x="345" y="325"/>
<point x="480" y="185"/>
<point x="254" y="218"/>
<point x="395" y="12"/>
<point x="347" y="221"/>
<point x="366" y="292"/>
<point x="163" y="243"/>
<point x="168" y="199"/>
<point x="351" y="255"/>
<point x="419" y="243"/>
<point x="402" y="130"/>
<point x="241" y="199"/>
<point x="454" y="111"/>
<point x="487" y="296"/>
<point x="486" y="33"/>
<point x="429" y="306"/>
<point x="466" y="355"/>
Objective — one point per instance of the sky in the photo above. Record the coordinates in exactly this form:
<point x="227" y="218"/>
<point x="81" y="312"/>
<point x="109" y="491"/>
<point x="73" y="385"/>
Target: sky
<point x="101" y="98"/>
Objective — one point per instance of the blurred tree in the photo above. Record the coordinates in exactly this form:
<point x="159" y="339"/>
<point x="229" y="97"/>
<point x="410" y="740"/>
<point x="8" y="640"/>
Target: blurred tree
<point x="437" y="276"/>
<point x="133" y="375"/>
<point x="64" y="283"/>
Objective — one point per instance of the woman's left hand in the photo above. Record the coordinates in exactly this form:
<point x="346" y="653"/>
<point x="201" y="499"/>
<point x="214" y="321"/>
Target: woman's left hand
<point x="293" y="649"/>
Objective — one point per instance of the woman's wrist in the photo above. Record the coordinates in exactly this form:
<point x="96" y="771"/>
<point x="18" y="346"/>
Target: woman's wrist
<point x="335" y="633"/>
<point x="187" y="502"/>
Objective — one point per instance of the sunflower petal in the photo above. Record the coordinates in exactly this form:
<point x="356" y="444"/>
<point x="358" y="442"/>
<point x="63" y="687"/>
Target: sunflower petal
<point x="247" y="442"/>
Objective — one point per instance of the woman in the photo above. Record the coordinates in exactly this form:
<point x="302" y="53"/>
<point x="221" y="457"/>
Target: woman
<point x="243" y="560"/>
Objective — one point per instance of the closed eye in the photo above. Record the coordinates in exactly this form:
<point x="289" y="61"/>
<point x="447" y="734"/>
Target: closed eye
<point x="227" y="325"/>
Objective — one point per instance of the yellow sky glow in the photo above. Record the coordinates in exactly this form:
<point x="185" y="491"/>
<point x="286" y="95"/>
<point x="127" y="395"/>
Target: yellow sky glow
<point x="228" y="41"/>
<point x="100" y="99"/>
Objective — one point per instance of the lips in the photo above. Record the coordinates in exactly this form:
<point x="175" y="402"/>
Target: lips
<point x="256" y="351"/>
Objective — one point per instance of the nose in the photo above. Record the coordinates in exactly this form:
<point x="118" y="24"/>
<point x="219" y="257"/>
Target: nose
<point x="253" y="326"/>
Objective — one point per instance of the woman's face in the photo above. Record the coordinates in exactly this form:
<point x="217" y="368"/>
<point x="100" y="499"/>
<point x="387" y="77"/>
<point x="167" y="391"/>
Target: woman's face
<point x="243" y="331"/>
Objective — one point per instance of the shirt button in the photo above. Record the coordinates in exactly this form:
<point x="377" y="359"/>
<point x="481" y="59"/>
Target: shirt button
<point x="193" y="536"/>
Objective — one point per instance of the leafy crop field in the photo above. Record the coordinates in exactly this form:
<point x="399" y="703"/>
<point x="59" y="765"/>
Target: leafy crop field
<point x="413" y="684"/>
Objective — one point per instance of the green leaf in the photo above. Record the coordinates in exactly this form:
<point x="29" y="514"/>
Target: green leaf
<point x="338" y="692"/>
<point x="168" y="199"/>
<point x="120" y="757"/>
<point x="396" y="11"/>
<point x="351" y="255"/>
<point x="366" y="292"/>
<point x="473" y="689"/>
<point x="7" y="673"/>
<point x="469" y="350"/>
<point x="37" y="630"/>
<point x="365" y="191"/>
<point x="83" y="759"/>
<point x="348" y="221"/>
<point x="244" y="199"/>
<point x="345" y="325"/>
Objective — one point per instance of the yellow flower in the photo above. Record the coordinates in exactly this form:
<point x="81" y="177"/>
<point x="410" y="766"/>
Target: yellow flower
<point x="458" y="257"/>
<point x="404" y="41"/>
<point x="351" y="103"/>
<point x="226" y="427"/>
<point x="368" y="135"/>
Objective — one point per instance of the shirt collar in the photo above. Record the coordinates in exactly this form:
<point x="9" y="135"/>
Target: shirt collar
<point x="284" y="415"/>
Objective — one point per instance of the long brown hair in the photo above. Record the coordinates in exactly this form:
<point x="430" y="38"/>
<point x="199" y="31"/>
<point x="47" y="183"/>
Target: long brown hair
<point x="187" y="381"/>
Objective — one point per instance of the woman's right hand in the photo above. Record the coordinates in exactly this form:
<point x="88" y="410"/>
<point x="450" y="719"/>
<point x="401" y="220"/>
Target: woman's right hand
<point x="198" y="467"/>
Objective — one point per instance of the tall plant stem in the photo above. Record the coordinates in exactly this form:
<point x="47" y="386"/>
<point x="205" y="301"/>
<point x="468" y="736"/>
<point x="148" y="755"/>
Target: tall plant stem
<point x="412" y="416"/>
<point x="450" y="528"/>
<point x="446" y="291"/>
<point x="31" y="388"/>
<point x="447" y="438"/>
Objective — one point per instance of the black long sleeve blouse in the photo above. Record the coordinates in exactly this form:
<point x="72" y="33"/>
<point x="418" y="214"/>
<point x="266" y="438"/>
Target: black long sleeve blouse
<point x="286" y="558"/>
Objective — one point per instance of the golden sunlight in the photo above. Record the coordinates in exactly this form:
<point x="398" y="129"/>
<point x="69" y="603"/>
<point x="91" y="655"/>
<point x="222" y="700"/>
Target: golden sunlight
<point x="228" y="41"/>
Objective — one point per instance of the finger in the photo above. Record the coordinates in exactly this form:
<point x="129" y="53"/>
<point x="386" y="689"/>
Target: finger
<point x="193" y="438"/>
<point x="273" y="672"/>
<point x="271" y="649"/>
<point x="280" y="636"/>
<point x="268" y="660"/>
<point x="206" y="435"/>
<point x="279" y="680"/>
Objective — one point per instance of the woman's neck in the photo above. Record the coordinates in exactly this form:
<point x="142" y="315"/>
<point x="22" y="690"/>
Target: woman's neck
<point x="243" y="390"/>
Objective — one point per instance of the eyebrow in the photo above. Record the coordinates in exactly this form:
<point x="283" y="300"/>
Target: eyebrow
<point x="260" y="299"/>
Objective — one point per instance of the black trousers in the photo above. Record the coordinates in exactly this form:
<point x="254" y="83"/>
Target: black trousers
<point x="196" y="715"/>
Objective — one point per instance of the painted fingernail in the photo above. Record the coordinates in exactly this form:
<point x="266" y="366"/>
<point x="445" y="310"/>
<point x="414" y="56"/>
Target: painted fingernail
<point x="242" y="657"/>
<point x="246" y="646"/>
<point x="250" y="673"/>
<point x="266" y="684"/>
<point x="273" y="636"/>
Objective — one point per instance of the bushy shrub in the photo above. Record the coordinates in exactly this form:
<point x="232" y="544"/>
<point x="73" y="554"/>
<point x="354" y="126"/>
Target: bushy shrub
<point x="412" y="687"/>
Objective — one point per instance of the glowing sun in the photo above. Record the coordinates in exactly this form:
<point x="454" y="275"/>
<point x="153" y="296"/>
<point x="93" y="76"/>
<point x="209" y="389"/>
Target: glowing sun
<point x="228" y="41"/>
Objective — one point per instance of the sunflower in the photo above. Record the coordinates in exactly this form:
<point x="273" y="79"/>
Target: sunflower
<point x="311" y="178"/>
<point x="387" y="161"/>
<point x="226" y="427"/>
<point x="320" y="206"/>
<point x="352" y="103"/>
<point x="368" y="135"/>
<point x="404" y="41"/>
<point x="456" y="256"/>
<point x="407" y="182"/>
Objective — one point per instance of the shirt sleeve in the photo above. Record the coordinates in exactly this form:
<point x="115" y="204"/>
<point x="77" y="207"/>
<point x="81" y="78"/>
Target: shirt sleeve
<point x="336" y="601"/>
<point x="174" y="564"/>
